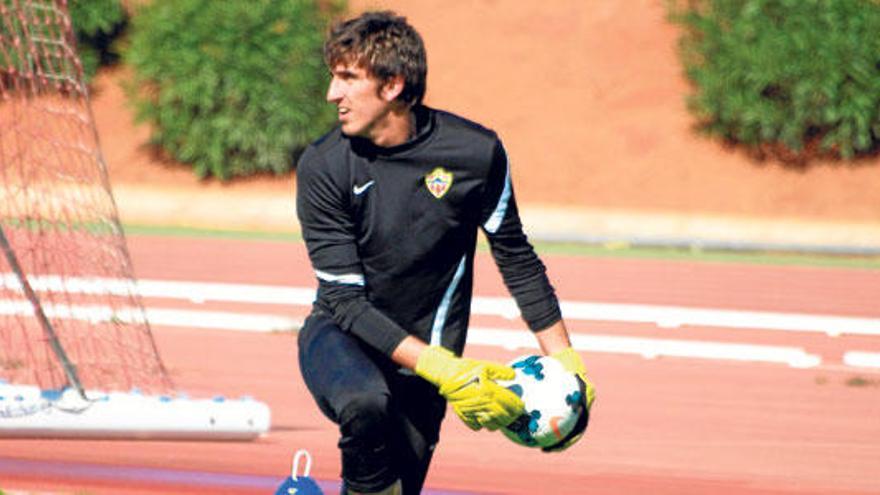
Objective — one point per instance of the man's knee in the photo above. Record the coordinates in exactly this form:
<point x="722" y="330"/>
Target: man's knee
<point x="365" y="416"/>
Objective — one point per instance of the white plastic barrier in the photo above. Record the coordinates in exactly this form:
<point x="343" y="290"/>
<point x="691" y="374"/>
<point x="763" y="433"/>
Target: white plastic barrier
<point x="28" y="412"/>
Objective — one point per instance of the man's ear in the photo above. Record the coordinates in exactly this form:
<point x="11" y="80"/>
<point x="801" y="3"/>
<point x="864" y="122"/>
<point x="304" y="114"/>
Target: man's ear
<point x="392" y="88"/>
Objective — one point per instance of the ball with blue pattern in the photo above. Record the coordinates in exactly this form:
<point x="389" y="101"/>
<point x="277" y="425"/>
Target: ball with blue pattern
<point x="552" y="398"/>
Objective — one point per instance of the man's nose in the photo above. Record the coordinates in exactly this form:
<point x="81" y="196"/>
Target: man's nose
<point x="334" y="91"/>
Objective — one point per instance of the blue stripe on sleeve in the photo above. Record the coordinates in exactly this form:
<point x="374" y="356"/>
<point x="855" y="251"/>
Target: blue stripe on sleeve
<point x="443" y="309"/>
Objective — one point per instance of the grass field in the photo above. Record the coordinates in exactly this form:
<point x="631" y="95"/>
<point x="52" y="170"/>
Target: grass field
<point x="621" y="250"/>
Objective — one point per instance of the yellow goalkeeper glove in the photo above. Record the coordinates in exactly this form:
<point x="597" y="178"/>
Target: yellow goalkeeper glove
<point x="573" y="363"/>
<point x="469" y="387"/>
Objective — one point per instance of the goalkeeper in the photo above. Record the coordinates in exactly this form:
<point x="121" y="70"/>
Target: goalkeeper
<point x="390" y="203"/>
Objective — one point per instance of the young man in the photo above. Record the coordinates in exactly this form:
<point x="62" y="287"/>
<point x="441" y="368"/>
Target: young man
<point x="390" y="203"/>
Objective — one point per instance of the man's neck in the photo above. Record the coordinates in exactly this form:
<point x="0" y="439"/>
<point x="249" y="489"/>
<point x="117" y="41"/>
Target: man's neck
<point x="398" y="127"/>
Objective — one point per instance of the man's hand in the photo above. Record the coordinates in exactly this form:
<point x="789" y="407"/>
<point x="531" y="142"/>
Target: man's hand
<point x="469" y="386"/>
<point x="573" y="363"/>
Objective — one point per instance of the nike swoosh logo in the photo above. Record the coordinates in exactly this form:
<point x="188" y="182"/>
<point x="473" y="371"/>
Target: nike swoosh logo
<point x="358" y="190"/>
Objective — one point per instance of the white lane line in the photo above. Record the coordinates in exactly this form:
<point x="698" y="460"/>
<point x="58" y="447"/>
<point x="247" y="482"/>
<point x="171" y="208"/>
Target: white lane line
<point x="221" y="320"/>
<point x="862" y="359"/>
<point x="91" y="313"/>
<point x="506" y="338"/>
<point x="662" y="316"/>
<point x="215" y="320"/>
<point x="650" y="348"/>
<point x="190" y="291"/>
<point x="674" y="316"/>
<point x="677" y="316"/>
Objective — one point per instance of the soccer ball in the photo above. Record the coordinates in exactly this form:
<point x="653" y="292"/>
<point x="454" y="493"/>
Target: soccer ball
<point x="553" y="401"/>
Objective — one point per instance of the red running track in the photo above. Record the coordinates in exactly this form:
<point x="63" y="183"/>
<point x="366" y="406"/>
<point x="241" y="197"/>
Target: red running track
<point x="663" y="426"/>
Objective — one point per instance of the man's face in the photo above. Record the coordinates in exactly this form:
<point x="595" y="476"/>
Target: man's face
<point x="362" y="105"/>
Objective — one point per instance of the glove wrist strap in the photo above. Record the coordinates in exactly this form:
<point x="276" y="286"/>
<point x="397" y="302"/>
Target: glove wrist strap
<point x="434" y="364"/>
<point x="570" y="360"/>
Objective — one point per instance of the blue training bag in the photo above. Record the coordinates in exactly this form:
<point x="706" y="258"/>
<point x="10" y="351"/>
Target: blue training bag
<point x="300" y="485"/>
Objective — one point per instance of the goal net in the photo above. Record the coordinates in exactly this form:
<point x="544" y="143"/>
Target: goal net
<point x="70" y="314"/>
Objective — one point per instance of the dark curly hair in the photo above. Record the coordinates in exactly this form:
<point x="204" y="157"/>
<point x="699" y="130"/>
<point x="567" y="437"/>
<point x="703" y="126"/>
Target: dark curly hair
<point x="386" y="46"/>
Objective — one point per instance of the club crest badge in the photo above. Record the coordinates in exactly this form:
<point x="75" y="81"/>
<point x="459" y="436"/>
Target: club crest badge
<point x="438" y="182"/>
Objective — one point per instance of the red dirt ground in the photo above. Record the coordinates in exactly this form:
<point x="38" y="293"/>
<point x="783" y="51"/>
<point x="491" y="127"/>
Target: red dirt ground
<point x="662" y="426"/>
<point x="589" y="98"/>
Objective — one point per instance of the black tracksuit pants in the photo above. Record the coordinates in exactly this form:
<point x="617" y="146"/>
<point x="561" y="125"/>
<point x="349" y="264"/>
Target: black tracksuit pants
<point x="389" y="419"/>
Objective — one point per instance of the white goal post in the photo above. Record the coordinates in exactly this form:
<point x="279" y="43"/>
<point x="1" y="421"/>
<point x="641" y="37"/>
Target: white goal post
<point x="61" y="374"/>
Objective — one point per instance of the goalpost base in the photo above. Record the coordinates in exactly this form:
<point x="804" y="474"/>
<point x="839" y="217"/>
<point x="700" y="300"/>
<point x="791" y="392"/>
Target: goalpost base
<point x="28" y="412"/>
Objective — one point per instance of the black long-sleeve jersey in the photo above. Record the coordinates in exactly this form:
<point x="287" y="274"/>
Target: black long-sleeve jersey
<point x="391" y="232"/>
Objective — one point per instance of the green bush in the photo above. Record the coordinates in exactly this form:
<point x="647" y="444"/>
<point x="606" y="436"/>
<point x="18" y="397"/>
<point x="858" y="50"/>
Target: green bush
<point x="97" y="24"/>
<point x="233" y="88"/>
<point x="790" y="75"/>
